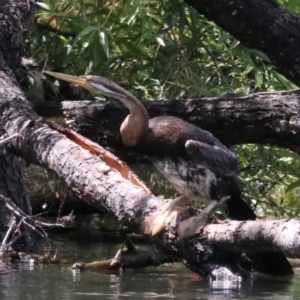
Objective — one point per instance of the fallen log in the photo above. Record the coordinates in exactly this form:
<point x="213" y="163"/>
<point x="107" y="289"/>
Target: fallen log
<point x="263" y="235"/>
<point x="275" y="114"/>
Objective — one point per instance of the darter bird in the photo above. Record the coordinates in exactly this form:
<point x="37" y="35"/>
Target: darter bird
<point x="196" y="163"/>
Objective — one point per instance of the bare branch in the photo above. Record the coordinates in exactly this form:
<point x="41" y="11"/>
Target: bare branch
<point x="257" y="236"/>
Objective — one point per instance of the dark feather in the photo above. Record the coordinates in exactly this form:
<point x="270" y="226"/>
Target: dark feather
<point x="188" y="156"/>
<point x="215" y="157"/>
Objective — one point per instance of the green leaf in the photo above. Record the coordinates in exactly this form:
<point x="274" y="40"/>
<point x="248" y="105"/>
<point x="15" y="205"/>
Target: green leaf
<point x="81" y="34"/>
<point x="258" y="79"/>
<point x="248" y="69"/>
<point x="161" y="41"/>
<point x="292" y="186"/>
<point x="261" y="55"/>
<point x="44" y="5"/>
<point x="104" y="42"/>
<point x="133" y="16"/>
<point x="86" y="31"/>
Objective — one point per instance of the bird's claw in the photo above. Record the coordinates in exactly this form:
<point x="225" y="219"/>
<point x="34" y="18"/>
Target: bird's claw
<point x="157" y="221"/>
<point x="192" y="226"/>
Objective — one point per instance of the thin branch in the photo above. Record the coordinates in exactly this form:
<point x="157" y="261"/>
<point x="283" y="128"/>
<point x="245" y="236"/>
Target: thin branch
<point x="26" y="219"/>
<point x="12" y="223"/>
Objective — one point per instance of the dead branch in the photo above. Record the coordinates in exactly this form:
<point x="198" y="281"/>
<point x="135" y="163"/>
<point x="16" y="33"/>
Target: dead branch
<point x="243" y="20"/>
<point x="128" y="260"/>
<point x="240" y="116"/>
<point x="34" y="225"/>
<point x="259" y="236"/>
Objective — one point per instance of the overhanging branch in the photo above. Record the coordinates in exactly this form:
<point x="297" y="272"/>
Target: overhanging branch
<point x="264" y="118"/>
<point x="263" y="25"/>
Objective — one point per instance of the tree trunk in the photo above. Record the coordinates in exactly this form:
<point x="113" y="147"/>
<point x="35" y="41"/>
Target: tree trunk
<point x="264" y="118"/>
<point x="263" y="25"/>
<point x="15" y="18"/>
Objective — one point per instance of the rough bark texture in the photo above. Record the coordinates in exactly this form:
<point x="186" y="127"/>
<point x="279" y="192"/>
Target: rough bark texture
<point x="258" y="118"/>
<point x="263" y="25"/>
<point x="265" y="235"/>
<point x="16" y="18"/>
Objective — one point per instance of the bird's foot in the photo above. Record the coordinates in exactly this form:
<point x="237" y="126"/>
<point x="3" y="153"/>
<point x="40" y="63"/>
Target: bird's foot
<point x="195" y="225"/>
<point x="192" y="226"/>
<point x="157" y="221"/>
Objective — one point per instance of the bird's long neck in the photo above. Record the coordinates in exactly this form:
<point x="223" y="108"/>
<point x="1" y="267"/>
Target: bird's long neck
<point x="136" y="124"/>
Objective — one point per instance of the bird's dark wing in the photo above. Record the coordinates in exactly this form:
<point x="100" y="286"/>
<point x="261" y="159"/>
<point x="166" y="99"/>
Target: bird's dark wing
<point x="217" y="158"/>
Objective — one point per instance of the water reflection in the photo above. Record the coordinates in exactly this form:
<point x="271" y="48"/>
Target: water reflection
<point x="47" y="282"/>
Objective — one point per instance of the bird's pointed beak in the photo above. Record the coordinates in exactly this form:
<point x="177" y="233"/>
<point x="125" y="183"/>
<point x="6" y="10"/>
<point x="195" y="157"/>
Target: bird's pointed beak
<point x="81" y="81"/>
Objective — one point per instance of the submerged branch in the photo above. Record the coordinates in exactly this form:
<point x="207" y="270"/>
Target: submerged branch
<point x="128" y="260"/>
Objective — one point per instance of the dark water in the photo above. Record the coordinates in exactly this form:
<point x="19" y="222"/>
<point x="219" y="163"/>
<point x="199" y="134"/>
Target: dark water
<point x="45" y="282"/>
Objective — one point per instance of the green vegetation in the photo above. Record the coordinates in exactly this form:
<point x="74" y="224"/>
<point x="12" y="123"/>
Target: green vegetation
<point x="164" y="49"/>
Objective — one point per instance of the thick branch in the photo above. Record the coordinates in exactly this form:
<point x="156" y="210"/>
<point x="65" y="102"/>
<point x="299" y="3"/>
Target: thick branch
<point x="263" y="25"/>
<point x="256" y="236"/>
<point x="258" y="118"/>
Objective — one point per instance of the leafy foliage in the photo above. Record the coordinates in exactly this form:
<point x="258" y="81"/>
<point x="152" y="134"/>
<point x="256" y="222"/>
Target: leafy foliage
<point x="165" y="49"/>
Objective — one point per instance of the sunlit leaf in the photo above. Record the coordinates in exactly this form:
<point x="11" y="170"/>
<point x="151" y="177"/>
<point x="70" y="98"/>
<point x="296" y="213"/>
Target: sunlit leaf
<point x="161" y="41"/>
<point x="44" y="5"/>
<point x="258" y="78"/>
<point x="104" y="42"/>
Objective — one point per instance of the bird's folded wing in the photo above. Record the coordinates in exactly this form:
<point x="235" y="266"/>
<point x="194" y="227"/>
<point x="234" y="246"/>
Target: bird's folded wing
<point x="216" y="158"/>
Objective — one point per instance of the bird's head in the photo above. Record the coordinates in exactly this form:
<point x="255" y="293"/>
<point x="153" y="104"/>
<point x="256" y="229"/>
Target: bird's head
<point x="135" y="124"/>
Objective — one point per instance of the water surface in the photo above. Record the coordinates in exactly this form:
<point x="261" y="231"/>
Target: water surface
<point x="45" y="282"/>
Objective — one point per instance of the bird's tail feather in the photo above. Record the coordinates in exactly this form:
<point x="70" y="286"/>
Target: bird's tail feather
<point x="272" y="262"/>
<point x="238" y="209"/>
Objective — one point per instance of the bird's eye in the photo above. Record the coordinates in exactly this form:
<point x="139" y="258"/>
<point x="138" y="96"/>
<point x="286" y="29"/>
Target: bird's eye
<point x="89" y="79"/>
